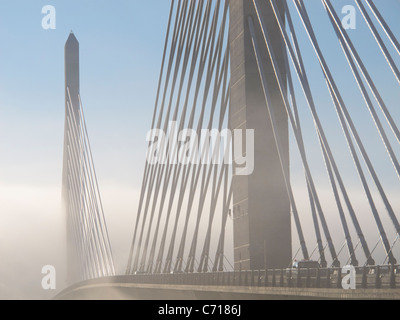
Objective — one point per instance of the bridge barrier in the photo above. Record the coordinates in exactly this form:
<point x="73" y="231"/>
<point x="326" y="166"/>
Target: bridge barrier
<point x="368" y="277"/>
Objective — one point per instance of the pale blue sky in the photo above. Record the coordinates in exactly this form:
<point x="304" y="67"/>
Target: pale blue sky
<point x="120" y="44"/>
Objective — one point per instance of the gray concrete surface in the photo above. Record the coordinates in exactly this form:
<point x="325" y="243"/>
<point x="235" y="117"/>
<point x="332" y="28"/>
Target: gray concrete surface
<point x="111" y="289"/>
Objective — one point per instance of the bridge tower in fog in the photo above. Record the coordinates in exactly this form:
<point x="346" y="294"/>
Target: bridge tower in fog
<point x="261" y="208"/>
<point x="88" y="249"/>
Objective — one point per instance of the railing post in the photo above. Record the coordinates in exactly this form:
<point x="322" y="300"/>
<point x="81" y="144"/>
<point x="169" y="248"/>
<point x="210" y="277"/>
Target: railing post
<point x="259" y="278"/>
<point x="290" y="278"/>
<point x="392" y="277"/>
<point x="273" y="279"/>
<point x="299" y="278"/>
<point x="282" y="280"/>
<point x="318" y="279"/>
<point x="378" y="283"/>
<point x="308" y="279"/>
<point x="339" y="278"/>
<point x="266" y="278"/>
<point x="328" y="278"/>
<point x="252" y="278"/>
<point x="364" y="282"/>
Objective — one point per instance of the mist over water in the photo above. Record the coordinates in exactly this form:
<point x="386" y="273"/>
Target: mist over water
<point x="32" y="236"/>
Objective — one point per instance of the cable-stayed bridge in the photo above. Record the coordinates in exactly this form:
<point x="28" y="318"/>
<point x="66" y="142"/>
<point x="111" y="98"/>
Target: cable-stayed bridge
<point x="259" y="156"/>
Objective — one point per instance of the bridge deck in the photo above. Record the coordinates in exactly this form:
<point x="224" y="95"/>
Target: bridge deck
<point x="119" y="288"/>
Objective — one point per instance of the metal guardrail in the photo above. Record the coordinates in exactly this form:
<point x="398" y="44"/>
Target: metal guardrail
<point x="370" y="277"/>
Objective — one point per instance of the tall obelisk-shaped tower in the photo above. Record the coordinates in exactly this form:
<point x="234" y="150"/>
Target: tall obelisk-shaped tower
<point x="262" y="222"/>
<point x="72" y="72"/>
<point x="71" y="60"/>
